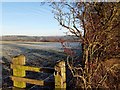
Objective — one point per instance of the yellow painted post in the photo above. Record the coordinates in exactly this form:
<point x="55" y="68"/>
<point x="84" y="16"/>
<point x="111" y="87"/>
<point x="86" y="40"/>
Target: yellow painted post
<point x="60" y="76"/>
<point x="15" y="88"/>
<point x="18" y="71"/>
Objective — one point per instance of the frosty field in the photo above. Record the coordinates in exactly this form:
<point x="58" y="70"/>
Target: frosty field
<point x="37" y="54"/>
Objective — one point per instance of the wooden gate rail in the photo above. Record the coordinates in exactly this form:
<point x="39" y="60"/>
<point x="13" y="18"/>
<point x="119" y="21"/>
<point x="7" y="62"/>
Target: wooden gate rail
<point x="35" y="69"/>
<point x="19" y="73"/>
<point x="32" y="81"/>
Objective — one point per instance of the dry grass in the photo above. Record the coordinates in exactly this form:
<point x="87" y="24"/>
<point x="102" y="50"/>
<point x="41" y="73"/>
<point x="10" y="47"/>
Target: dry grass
<point x="113" y="77"/>
<point x="100" y="75"/>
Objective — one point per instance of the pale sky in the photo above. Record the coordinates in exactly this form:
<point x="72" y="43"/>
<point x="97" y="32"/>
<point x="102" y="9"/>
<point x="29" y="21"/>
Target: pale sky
<point x="29" y="18"/>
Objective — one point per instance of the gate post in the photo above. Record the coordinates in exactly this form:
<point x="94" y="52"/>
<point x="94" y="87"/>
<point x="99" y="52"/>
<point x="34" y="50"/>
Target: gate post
<point x="18" y="71"/>
<point x="60" y="76"/>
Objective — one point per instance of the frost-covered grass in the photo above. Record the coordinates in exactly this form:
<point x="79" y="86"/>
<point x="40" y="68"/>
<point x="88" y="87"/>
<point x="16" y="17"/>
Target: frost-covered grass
<point x="38" y="54"/>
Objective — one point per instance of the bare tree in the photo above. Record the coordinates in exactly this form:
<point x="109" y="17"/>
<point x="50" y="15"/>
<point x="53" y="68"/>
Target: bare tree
<point x="97" y="26"/>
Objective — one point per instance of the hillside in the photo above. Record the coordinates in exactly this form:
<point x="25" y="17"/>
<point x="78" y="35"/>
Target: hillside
<point x="38" y="38"/>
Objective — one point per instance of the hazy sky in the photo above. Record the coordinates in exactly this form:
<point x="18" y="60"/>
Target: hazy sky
<point x="29" y="18"/>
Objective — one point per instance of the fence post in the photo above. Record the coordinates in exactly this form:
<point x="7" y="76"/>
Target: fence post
<point x="18" y="71"/>
<point x="60" y="76"/>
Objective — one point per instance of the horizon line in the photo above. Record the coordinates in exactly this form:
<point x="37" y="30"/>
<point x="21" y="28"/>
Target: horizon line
<point x="36" y="35"/>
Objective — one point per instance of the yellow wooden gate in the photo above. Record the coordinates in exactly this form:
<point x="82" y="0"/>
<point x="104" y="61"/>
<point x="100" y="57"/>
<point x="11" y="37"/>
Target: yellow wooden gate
<point x="19" y="73"/>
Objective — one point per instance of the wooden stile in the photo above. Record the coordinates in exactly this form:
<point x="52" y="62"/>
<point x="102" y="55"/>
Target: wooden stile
<point x="19" y="72"/>
<point x="60" y="76"/>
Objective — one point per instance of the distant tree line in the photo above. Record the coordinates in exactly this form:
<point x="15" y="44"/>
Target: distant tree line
<point x="40" y="38"/>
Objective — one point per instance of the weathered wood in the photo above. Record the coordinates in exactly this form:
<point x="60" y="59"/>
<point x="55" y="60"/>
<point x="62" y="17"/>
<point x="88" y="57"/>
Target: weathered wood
<point x="15" y="88"/>
<point x="35" y="69"/>
<point x="60" y="76"/>
<point x="19" y="72"/>
<point x="31" y="81"/>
